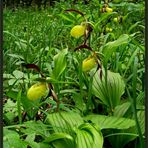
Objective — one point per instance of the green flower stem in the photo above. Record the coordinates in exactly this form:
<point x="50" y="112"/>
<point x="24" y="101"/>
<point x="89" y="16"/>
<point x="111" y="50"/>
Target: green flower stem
<point x="81" y="78"/>
<point x="19" y="106"/>
<point x="89" y="102"/>
<point x="133" y="102"/>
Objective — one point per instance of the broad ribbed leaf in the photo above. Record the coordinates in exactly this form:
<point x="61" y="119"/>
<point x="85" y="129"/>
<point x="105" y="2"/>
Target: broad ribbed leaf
<point x="56" y="136"/>
<point x="62" y="143"/>
<point x="88" y="136"/>
<point x="141" y="119"/>
<point x="111" y="122"/>
<point x="111" y="47"/>
<point x="60" y="140"/>
<point x="84" y="134"/>
<point x="111" y="93"/>
<point x="140" y="99"/>
<point x="121" y="139"/>
<point x="64" y="121"/>
<point x="59" y="63"/>
<point x="83" y="139"/>
<point x="123" y="109"/>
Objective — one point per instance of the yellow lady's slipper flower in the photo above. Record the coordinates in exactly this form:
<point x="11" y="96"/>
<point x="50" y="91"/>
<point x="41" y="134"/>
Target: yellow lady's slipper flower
<point x="109" y="9"/>
<point x="37" y="91"/>
<point x="78" y="31"/>
<point x="88" y="63"/>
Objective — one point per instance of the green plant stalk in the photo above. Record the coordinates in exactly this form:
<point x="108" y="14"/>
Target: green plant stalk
<point x="134" y="102"/>
<point x="56" y="95"/>
<point x="81" y="79"/>
<point x="130" y="61"/>
<point x="19" y="106"/>
<point x="89" y="94"/>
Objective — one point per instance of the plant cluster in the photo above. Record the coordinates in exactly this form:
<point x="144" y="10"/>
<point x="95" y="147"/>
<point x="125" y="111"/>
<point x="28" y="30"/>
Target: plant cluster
<point x="74" y="77"/>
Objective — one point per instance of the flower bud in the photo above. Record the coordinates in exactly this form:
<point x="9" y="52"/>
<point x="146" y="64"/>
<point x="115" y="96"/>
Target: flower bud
<point x="109" y="29"/>
<point x="115" y="19"/>
<point x="78" y="31"/>
<point x="37" y="91"/>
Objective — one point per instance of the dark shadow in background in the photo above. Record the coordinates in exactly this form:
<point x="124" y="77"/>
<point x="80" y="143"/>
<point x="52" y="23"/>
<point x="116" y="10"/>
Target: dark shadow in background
<point x="1" y="74"/>
<point x="146" y="73"/>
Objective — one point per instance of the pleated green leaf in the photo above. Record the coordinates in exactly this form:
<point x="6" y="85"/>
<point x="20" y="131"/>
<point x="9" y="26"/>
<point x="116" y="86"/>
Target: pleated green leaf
<point x="59" y="63"/>
<point x="56" y="136"/>
<point x="60" y="140"/>
<point x="123" y="109"/>
<point x="121" y="139"/>
<point x="88" y="136"/>
<point x="111" y="122"/>
<point x="141" y="119"/>
<point x="111" y="93"/>
<point x="62" y="143"/>
<point x="71" y="131"/>
<point x="64" y="121"/>
<point x="81" y="137"/>
<point x="111" y="47"/>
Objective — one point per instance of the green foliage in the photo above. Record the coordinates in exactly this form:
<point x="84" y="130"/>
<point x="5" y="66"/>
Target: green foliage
<point x="12" y="139"/>
<point x="69" y="123"/>
<point x="122" y="133"/>
<point x="121" y="139"/>
<point x="103" y="107"/>
<point x="106" y="122"/>
<point x="111" y="47"/>
<point x="109" y="92"/>
<point x="10" y="111"/>
<point x="59" y="64"/>
<point x="123" y="110"/>
<point x="60" y="140"/>
<point x="89" y="136"/>
<point x="64" y="121"/>
<point x="35" y="127"/>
